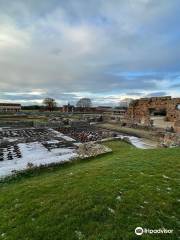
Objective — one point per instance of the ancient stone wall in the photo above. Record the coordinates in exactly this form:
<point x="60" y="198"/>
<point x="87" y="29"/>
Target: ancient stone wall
<point x="173" y="113"/>
<point x="177" y="126"/>
<point x="140" y="111"/>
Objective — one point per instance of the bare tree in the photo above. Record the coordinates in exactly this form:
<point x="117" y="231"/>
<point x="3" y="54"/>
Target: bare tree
<point x="84" y="103"/>
<point x="50" y="103"/>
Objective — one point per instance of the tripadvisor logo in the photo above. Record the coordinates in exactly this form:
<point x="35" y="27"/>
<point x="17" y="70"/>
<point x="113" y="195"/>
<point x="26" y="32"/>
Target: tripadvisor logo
<point x="139" y="231"/>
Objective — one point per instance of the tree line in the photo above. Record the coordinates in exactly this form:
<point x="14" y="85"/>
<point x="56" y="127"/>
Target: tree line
<point x="50" y="104"/>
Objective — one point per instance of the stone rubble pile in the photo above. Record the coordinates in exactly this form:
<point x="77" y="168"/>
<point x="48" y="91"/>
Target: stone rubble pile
<point x="171" y="140"/>
<point x="91" y="149"/>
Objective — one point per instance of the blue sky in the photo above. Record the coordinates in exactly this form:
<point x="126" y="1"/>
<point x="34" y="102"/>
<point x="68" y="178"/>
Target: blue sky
<point x="105" y="50"/>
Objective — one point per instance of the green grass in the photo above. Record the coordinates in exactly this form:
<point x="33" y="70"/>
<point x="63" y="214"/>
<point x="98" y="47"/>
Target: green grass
<point x="103" y="198"/>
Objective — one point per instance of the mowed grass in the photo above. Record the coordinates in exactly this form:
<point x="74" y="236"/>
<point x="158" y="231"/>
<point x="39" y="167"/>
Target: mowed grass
<point x="103" y="198"/>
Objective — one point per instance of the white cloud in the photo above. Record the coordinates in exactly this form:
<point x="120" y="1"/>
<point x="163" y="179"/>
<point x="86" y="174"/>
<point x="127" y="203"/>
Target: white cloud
<point x="72" y="46"/>
<point x="11" y="37"/>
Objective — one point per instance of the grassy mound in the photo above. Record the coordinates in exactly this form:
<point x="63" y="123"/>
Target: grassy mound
<point x="104" y="198"/>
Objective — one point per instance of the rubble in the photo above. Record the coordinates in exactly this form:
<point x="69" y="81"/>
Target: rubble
<point x="92" y="149"/>
<point x="171" y="140"/>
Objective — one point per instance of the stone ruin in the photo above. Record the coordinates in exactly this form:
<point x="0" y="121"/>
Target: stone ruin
<point x="91" y="149"/>
<point x="87" y="134"/>
<point x="146" y="111"/>
<point x="25" y="135"/>
<point x="21" y="149"/>
<point x="11" y="138"/>
<point x="160" y="114"/>
<point x="170" y="140"/>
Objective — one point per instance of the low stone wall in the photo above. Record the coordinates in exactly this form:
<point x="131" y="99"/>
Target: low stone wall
<point x="48" y="124"/>
<point x="16" y="124"/>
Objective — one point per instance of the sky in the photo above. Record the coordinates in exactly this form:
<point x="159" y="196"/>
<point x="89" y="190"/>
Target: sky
<point x="106" y="50"/>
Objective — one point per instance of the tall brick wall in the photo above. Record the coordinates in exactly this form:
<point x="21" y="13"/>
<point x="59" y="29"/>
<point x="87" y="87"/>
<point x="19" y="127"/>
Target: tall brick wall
<point x="140" y="110"/>
<point x="173" y="114"/>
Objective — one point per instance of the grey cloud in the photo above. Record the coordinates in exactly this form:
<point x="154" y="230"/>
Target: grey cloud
<point x="72" y="45"/>
<point x="27" y="96"/>
<point x="134" y="93"/>
<point x="18" y="97"/>
<point x="157" y="94"/>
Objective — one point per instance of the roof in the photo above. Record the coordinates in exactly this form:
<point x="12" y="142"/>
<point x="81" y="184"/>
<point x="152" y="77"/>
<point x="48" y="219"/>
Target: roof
<point x="10" y="104"/>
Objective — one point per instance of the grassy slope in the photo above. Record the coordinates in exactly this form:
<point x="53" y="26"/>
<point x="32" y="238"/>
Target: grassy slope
<point x="76" y="201"/>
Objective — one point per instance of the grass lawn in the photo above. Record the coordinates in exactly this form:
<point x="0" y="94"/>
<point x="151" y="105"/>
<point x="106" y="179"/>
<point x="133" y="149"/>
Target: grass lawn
<point x="103" y="198"/>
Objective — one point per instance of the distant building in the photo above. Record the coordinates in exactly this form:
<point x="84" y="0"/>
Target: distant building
<point x="104" y="109"/>
<point x="10" y="107"/>
<point x="125" y="102"/>
<point x="120" y="111"/>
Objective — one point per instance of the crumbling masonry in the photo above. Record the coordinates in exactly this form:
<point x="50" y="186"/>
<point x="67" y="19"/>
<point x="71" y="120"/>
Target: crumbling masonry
<point x="141" y="111"/>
